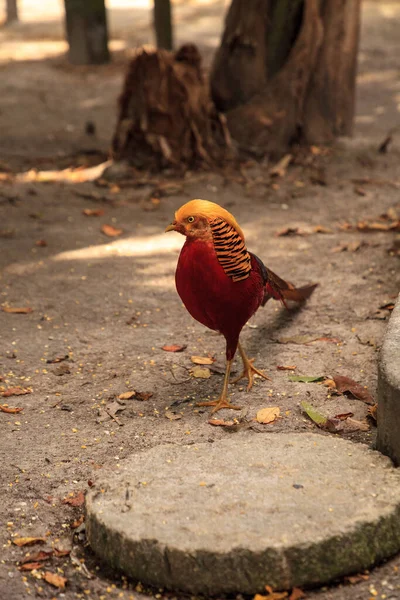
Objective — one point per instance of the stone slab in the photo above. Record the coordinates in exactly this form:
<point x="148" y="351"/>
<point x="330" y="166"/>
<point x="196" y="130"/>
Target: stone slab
<point x="233" y="516"/>
<point x="388" y="437"/>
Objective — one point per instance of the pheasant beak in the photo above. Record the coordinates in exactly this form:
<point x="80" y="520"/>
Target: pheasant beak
<point x="171" y="227"/>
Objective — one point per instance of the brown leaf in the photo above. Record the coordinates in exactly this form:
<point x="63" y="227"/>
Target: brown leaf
<point x="373" y="412"/>
<point x="75" y="500"/>
<point x="127" y="395"/>
<point x="321" y="229"/>
<point x="353" y="579"/>
<point x="172" y="416"/>
<point x="38" y="556"/>
<point x="173" y="348"/>
<point x="279" y="170"/>
<point x="202" y="360"/>
<point x="16" y="391"/>
<point x="78" y="522"/>
<point x="55" y="580"/>
<point x="9" y="409"/>
<point x="201" y="372"/>
<point x="345" y="384"/>
<point x="220" y="423"/>
<point x="297" y="594"/>
<point x="30" y="566"/>
<point x="61" y="553"/>
<point x="360" y="191"/>
<point x="57" y="359"/>
<point x="286" y="367"/>
<point x="41" y="243"/>
<point x="289" y="231"/>
<point x="355" y="425"/>
<point x="268" y="414"/>
<point x="24" y="310"/>
<point x="344" y="416"/>
<point x="93" y="212"/>
<point x="143" y="396"/>
<point x="28" y="541"/>
<point x="387" y="306"/>
<point x="111" y="231"/>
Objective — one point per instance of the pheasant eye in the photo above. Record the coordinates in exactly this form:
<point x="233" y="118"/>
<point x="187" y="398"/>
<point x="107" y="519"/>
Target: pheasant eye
<point x="190" y="219"/>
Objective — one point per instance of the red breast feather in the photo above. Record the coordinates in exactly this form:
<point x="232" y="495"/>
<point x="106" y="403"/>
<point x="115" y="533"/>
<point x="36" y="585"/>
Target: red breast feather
<point x="211" y="296"/>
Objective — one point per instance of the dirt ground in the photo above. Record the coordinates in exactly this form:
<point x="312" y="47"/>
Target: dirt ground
<point x="104" y="307"/>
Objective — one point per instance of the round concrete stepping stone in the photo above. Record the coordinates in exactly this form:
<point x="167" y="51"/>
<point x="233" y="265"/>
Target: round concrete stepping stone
<point x="273" y="509"/>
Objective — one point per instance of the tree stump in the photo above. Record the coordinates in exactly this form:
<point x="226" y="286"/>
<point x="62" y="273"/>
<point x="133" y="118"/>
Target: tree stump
<point x="285" y="72"/>
<point x="166" y="116"/>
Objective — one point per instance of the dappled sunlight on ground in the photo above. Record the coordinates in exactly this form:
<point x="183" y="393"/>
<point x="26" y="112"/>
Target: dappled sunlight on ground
<point x="135" y="246"/>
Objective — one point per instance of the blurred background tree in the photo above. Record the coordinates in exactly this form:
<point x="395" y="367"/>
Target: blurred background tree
<point x="86" y="29"/>
<point x="11" y="11"/>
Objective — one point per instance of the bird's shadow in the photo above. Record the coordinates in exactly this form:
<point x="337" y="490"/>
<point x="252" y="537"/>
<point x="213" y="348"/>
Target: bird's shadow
<point x="265" y="334"/>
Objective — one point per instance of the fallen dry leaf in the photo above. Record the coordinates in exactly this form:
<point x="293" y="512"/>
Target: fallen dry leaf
<point x="202" y="360"/>
<point x="297" y="594"/>
<point x="38" y="556"/>
<point x="345" y="384"/>
<point x="279" y="170"/>
<point x="41" y="243"/>
<point x="321" y="229"/>
<point x="28" y="541"/>
<point x="172" y="416"/>
<point x="268" y="414"/>
<point x="201" y="372"/>
<point x="388" y="306"/>
<point x="344" y="416"/>
<point x="221" y="423"/>
<point x="332" y="425"/>
<point x="355" y="425"/>
<point x="75" y="500"/>
<point x="127" y="395"/>
<point x="61" y="553"/>
<point x="174" y="348"/>
<point x="16" y="391"/>
<point x="55" y="580"/>
<point x="78" y="522"/>
<point x="373" y="412"/>
<point x="30" y="566"/>
<point x="57" y="359"/>
<point x="289" y="231"/>
<point x="93" y="212"/>
<point x="286" y="367"/>
<point x="12" y="410"/>
<point x="17" y="310"/>
<point x="111" y="231"/>
<point x="353" y="579"/>
<point x="143" y="396"/>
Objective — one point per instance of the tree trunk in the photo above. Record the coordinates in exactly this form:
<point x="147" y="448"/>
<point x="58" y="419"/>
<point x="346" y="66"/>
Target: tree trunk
<point x="166" y="116"/>
<point x="86" y="26"/>
<point x="285" y="72"/>
<point x="163" y="24"/>
<point x="12" y="11"/>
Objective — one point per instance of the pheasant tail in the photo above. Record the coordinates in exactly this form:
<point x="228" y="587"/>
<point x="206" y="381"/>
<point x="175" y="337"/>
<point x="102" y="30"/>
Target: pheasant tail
<point x="282" y="290"/>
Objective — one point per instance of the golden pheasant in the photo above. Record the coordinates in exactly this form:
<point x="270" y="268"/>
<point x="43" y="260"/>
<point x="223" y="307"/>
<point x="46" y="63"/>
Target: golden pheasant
<point x="222" y="284"/>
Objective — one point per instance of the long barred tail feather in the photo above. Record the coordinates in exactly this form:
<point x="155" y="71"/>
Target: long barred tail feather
<point x="282" y="290"/>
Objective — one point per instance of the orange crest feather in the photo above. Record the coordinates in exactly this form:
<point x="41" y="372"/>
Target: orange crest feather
<point x="209" y="210"/>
